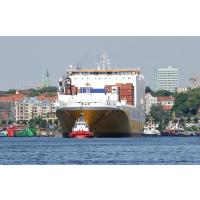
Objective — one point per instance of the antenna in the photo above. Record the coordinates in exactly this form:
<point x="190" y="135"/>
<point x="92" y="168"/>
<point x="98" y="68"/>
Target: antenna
<point x="104" y="62"/>
<point x="78" y="67"/>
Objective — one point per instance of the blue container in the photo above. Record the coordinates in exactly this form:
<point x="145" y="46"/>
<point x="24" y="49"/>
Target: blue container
<point x="92" y="90"/>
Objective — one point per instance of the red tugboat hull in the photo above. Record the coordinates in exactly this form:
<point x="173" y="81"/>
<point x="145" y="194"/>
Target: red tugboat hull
<point x="81" y="134"/>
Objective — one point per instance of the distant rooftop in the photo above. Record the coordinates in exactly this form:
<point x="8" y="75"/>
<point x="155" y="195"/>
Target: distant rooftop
<point x="167" y="68"/>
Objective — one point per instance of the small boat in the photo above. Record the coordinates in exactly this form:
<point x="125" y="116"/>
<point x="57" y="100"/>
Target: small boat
<point x="150" y="131"/>
<point x="3" y="133"/>
<point x="173" y="131"/>
<point x="80" y="129"/>
<point x="25" y="133"/>
<point x="11" y="131"/>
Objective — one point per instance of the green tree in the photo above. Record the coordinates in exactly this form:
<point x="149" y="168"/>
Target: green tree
<point x="156" y="112"/>
<point x="160" y="93"/>
<point x="160" y="116"/>
<point x="11" y="91"/>
<point x="10" y="122"/>
<point x="34" y="93"/>
<point x="3" y="122"/>
<point x="196" y="120"/>
<point x="43" y="124"/>
<point x="56" y="122"/>
<point x="182" y="122"/>
<point x="49" y="89"/>
<point x="148" y="89"/>
<point x="38" y="121"/>
<point x="35" y="121"/>
<point x="188" y="102"/>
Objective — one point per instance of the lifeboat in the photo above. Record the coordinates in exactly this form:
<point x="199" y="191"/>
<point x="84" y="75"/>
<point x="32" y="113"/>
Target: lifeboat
<point x="80" y="129"/>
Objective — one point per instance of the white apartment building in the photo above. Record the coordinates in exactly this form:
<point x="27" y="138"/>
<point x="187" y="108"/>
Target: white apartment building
<point x="166" y="79"/>
<point x="149" y="101"/>
<point x="30" y="107"/>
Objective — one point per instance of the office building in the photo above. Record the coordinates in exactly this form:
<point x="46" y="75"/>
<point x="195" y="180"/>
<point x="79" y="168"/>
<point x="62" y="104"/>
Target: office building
<point x="166" y="79"/>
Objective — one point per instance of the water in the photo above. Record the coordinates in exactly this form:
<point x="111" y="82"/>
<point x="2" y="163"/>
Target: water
<point x="142" y="150"/>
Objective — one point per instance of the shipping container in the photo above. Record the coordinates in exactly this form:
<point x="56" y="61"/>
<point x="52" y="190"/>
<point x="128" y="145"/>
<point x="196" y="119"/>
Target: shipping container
<point x="92" y="90"/>
<point x="126" y="92"/>
<point x="85" y="89"/>
<point x="97" y="90"/>
<point x="125" y="86"/>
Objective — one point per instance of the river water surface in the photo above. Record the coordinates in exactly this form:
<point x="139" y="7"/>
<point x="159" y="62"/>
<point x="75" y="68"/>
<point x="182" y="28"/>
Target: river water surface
<point x="112" y="151"/>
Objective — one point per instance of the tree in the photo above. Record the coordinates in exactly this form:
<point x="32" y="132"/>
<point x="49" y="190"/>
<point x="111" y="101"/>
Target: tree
<point x="188" y="119"/>
<point x="43" y="124"/>
<point x="38" y="121"/>
<point x="35" y="121"/>
<point x="56" y="122"/>
<point x="196" y="120"/>
<point x="148" y="89"/>
<point x="156" y="112"/>
<point x="49" y="89"/>
<point x="11" y="91"/>
<point x="182" y="122"/>
<point x="161" y="93"/>
<point x="10" y="122"/>
<point x="188" y="103"/>
<point x="34" y="93"/>
<point x="160" y="116"/>
<point x="3" y="122"/>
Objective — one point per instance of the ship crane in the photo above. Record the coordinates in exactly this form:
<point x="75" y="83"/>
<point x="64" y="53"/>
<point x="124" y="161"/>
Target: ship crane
<point x="195" y="79"/>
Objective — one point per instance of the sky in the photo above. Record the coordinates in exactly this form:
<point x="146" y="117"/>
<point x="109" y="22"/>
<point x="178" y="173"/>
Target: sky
<point x="24" y="60"/>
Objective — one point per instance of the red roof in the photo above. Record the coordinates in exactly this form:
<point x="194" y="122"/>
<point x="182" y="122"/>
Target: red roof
<point x="49" y="98"/>
<point x="18" y="97"/>
<point x="167" y="98"/>
<point x="14" y="97"/>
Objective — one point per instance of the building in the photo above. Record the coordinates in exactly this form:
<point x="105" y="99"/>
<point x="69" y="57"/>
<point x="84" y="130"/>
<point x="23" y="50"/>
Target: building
<point x="31" y="107"/>
<point x="182" y="89"/>
<point x="166" y="79"/>
<point x="4" y="115"/>
<point x="167" y="102"/>
<point x="7" y="107"/>
<point x="149" y="101"/>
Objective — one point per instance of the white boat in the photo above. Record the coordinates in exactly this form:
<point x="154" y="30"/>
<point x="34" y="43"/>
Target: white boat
<point x="151" y="131"/>
<point x="112" y="100"/>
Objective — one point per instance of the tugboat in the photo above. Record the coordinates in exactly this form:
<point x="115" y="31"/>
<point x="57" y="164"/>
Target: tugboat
<point x="80" y="129"/>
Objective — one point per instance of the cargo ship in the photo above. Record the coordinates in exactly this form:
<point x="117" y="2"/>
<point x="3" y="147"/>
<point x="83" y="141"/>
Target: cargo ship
<point x="112" y="100"/>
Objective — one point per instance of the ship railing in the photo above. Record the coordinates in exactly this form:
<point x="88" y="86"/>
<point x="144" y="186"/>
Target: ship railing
<point x="87" y="103"/>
